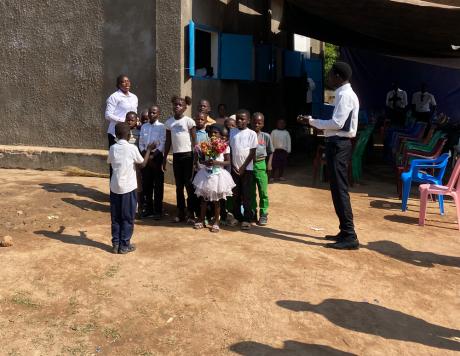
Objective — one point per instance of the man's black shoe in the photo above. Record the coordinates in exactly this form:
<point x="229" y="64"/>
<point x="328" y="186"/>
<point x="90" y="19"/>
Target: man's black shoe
<point x="345" y="245"/>
<point x="128" y="249"/>
<point x="115" y="249"/>
<point x="156" y="216"/>
<point x="337" y="237"/>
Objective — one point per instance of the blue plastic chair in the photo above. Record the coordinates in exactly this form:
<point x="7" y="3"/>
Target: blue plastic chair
<point x="417" y="174"/>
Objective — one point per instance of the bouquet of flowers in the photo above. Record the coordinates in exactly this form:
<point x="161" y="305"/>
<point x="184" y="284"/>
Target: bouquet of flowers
<point x="211" y="149"/>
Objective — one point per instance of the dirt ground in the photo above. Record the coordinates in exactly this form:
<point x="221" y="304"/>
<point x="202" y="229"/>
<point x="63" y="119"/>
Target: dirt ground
<point x="269" y="291"/>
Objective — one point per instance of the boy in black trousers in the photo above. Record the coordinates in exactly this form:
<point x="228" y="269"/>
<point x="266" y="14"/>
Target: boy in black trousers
<point x="123" y="185"/>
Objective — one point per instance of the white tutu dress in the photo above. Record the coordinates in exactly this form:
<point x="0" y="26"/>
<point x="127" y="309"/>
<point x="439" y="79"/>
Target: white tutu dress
<point x="216" y="184"/>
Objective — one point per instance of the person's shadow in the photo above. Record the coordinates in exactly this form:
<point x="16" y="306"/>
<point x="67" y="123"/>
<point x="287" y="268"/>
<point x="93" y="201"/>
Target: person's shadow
<point x="87" y="205"/>
<point x="290" y="347"/>
<point x="380" y="321"/>
<point x="266" y="232"/>
<point x="416" y="258"/>
<point x="81" y="239"/>
<point x="77" y="189"/>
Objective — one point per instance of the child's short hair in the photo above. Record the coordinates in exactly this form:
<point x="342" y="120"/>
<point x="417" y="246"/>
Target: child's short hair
<point x="258" y="114"/>
<point x="214" y="127"/>
<point x="187" y="100"/>
<point x="131" y="113"/>
<point x="122" y="130"/>
<point x="243" y="112"/>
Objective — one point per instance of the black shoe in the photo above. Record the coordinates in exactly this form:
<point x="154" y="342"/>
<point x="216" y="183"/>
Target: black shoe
<point x="156" y="216"/>
<point x="147" y="214"/>
<point x="115" y="249"/>
<point x="128" y="249"/>
<point x="337" y="237"/>
<point x="345" y="245"/>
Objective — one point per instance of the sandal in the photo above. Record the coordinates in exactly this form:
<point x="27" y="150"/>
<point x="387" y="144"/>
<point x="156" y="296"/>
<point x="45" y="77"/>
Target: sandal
<point x="198" y="226"/>
<point x="215" y="228"/>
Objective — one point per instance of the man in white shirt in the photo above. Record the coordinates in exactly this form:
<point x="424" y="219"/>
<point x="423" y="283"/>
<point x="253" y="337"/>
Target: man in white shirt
<point x="424" y="106"/>
<point x="338" y="131"/>
<point x="396" y="103"/>
<point x="153" y="132"/>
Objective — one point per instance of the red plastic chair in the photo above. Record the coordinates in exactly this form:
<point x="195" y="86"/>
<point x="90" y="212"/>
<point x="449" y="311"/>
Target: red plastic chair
<point x="451" y="189"/>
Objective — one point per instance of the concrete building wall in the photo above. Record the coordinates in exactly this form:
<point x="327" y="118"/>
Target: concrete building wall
<point x="59" y="61"/>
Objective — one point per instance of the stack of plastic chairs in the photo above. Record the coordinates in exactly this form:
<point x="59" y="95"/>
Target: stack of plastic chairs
<point x="399" y="139"/>
<point x="391" y="135"/>
<point x="411" y="155"/>
<point x="358" y="153"/>
<point x="418" y="173"/>
<point x="418" y="147"/>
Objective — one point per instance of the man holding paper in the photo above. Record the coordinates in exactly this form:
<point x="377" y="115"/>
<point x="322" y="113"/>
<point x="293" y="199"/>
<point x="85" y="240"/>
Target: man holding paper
<point x="338" y="132"/>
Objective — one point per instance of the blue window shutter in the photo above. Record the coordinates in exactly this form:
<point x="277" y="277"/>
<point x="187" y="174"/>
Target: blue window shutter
<point x="236" y="57"/>
<point x="265" y="63"/>
<point x="191" y="50"/>
<point x="292" y="63"/>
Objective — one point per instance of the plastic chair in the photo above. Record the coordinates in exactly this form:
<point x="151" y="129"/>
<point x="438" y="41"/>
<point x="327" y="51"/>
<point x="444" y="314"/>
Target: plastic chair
<point x="418" y="147"/>
<point x="450" y="189"/>
<point x="417" y="174"/>
<point x="390" y="134"/>
<point x="411" y="155"/>
<point x="416" y="135"/>
<point x="358" y="153"/>
<point x="319" y="162"/>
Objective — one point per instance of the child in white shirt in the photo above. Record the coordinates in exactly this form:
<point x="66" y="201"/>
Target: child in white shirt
<point x="123" y="201"/>
<point x="181" y="135"/>
<point x="282" y="144"/>
<point x="243" y="144"/>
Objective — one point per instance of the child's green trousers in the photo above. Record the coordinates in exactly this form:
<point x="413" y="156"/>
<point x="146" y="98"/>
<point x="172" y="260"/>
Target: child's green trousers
<point x="260" y="183"/>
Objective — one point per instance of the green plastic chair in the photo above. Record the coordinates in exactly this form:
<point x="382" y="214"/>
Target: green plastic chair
<point x="358" y="153"/>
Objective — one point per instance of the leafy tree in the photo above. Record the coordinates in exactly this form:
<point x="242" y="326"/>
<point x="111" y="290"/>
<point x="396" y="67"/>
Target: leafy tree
<point x="331" y="54"/>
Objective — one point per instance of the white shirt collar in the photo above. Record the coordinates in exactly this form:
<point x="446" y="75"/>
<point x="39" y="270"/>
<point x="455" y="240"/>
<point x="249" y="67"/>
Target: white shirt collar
<point x="122" y="93"/>
<point x="123" y="142"/>
<point x="342" y="88"/>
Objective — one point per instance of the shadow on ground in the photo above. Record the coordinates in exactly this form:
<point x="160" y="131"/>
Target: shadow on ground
<point x="290" y="347"/>
<point x="376" y="320"/>
<point x="411" y="220"/>
<point x="77" y="189"/>
<point x="384" y="204"/>
<point x="284" y="235"/>
<point x="81" y="239"/>
<point x="416" y="258"/>
<point x="87" y="205"/>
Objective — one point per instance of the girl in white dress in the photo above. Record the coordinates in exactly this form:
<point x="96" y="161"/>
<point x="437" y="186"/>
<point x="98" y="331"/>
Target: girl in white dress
<point x="213" y="182"/>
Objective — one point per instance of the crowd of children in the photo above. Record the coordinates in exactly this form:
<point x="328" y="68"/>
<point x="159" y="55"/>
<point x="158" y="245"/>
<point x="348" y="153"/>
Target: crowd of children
<point x="221" y="164"/>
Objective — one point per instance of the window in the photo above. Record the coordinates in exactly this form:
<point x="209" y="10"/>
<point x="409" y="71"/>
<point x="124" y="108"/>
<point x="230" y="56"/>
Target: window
<point x="219" y="55"/>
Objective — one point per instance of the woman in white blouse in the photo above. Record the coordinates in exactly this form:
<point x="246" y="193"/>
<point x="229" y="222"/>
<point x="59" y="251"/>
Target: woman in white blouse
<point x="118" y="105"/>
